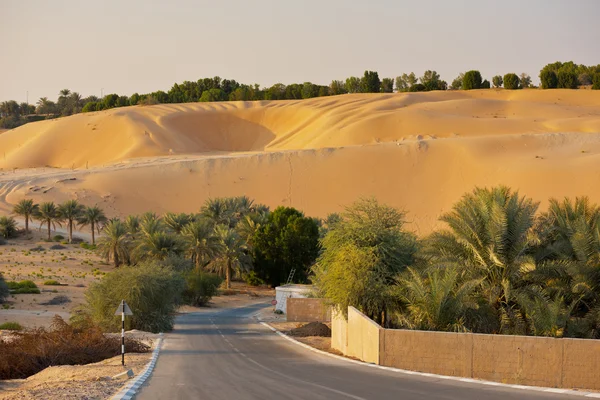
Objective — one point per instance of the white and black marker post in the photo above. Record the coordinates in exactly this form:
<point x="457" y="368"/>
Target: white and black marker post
<point x="124" y="310"/>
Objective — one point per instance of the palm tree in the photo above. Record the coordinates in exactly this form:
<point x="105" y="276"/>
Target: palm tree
<point x="132" y="224"/>
<point x="158" y="246"/>
<point x="8" y="227"/>
<point x="26" y="209"/>
<point x="93" y="216"/>
<point x="71" y="211"/>
<point x="50" y="215"/>
<point x="64" y="93"/>
<point x="437" y="301"/>
<point x="490" y="239"/>
<point x="201" y="244"/>
<point x="115" y="242"/>
<point x="217" y="211"/>
<point x="176" y="222"/>
<point x="75" y="100"/>
<point x="150" y="224"/>
<point x="231" y="255"/>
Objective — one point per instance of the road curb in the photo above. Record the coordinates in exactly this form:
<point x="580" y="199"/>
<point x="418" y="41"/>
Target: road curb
<point x="445" y="377"/>
<point x="130" y="389"/>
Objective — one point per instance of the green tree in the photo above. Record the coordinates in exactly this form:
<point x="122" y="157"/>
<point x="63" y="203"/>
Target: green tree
<point x="472" y="80"/>
<point x="200" y="242"/>
<point x="387" y="85"/>
<point x="431" y="81"/>
<point x="50" y="215"/>
<point x="353" y="84"/>
<point x="8" y="227"/>
<point x="511" y="81"/>
<point x="362" y="254"/>
<point x="115" y="243"/>
<point x="370" y="82"/>
<point x="489" y="239"/>
<point x="457" y="83"/>
<point x="89" y="107"/>
<point x="176" y="222"/>
<point x="217" y="211"/>
<point x="231" y="256"/>
<point x="94" y="217"/>
<point x="71" y="211"/>
<point x="497" y="81"/>
<point x="596" y="81"/>
<point x="548" y="79"/>
<point x="132" y="225"/>
<point x="286" y="241"/>
<point x="525" y="80"/>
<point x="566" y="79"/>
<point x="213" y="95"/>
<point x="405" y="81"/>
<point x="337" y="87"/>
<point x="157" y="246"/>
<point x="485" y="84"/>
<point x="27" y="209"/>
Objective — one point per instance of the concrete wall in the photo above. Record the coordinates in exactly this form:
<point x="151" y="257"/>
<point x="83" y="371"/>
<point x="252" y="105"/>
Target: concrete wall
<point x="535" y="361"/>
<point x="364" y="337"/>
<point x="339" y="332"/>
<point x="307" y="310"/>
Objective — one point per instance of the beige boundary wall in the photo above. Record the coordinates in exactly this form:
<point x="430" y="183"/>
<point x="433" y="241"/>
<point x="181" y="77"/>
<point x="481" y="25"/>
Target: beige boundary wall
<point x="536" y="361"/>
<point x="307" y="310"/>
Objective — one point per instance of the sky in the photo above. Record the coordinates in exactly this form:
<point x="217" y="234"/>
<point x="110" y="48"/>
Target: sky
<point x="127" y="46"/>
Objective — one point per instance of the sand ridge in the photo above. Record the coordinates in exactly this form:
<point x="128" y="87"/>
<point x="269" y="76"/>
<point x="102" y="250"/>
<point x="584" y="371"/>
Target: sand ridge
<point x="416" y="151"/>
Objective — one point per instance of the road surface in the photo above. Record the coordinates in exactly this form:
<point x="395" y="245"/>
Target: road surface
<point x="228" y="355"/>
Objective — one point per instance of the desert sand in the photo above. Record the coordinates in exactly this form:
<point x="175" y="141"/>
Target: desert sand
<point x="416" y="151"/>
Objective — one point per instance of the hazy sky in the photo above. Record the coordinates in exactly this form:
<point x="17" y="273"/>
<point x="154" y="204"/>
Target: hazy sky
<point x="127" y="46"/>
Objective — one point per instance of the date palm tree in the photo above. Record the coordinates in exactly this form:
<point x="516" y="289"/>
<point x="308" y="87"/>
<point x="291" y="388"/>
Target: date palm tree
<point x="217" y="211"/>
<point x="50" y="215"/>
<point x="115" y="243"/>
<point x="27" y="209"/>
<point x="132" y="224"/>
<point x="200" y="241"/>
<point x="490" y="239"/>
<point x="231" y="256"/>
<point x="176" y="222"/>
<point x="8" y="227"/>
<point x="71" y="211"/>
<point x="157" y="246"/>
<point x="94" y="217"/>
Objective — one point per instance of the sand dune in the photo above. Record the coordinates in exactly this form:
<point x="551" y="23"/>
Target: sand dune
<point x="418" y="151"/>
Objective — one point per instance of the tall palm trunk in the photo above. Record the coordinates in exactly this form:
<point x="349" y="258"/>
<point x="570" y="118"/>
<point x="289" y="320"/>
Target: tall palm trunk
<point x="27" y="224"/>
<point x="228" y="275"/>
<point x="93" y="234"/>
<point x="49" y="230"/>
<point x="116" y="258"/>
<point x="70" y="231"/>
<point x="197" y="261"/>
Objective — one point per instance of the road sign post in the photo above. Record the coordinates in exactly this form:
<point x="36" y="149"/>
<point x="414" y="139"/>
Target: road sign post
<point x="124" y="310"/>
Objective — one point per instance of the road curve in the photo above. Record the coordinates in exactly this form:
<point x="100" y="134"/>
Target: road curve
<point x="228" y="355"/>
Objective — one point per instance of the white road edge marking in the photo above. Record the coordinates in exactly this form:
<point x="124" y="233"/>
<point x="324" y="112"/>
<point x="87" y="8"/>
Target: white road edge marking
<point x="454" y="378"/>
<point x="130" y="389"/>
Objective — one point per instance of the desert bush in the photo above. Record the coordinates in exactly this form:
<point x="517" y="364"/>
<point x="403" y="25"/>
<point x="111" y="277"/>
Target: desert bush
<point x="52" y="282"/>
<point x="23" y="287"/>
<point x="8" y="227"/>
<point x="511" y="81"/>
<point x="11" y="326"/>
<point x="497" y="81"/>
<point x="200" y="287"/>
<point x="596" y="81"/>
<point x="32" y="351"/>
<point x="4" y="291"/>
<point x="548" y="79"/>
<point x="253" y="280"/>
<point x="87" y="246"/>
<point x="56" y="247"/>
<point x="471" y="80"/>
<point x="485" y="84"/>
<point x="58" y="238"/>
<point x="151" y="290"/>
<point x="567" y="79"/>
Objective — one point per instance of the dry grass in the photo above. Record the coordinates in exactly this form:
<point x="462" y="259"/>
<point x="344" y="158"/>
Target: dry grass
<point x="26" y="353"/>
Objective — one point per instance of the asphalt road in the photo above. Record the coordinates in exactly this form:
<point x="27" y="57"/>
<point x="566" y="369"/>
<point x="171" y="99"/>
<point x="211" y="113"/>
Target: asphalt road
<point x="230" y="356"/>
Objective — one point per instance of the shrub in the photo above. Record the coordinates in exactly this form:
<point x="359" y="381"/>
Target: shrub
<point x="200" y="287"/>
<point x="32" y="351"/>
<point x="152" y="292"/>
<point x="58" y="238"/>
<point x="23" y="287"/>
<point x="596" y="81"/>
<point x="497" y="81"/>
<point x="11" y="326"/>
<point x="253" y="280"/>
<point x="52" y="282"/>
<point x="4" y="291"/>
<point x="8" y="227"/>
<point x="485" y="84"/>
<point x="472" y="80"/>
<point x="567" y="79"/>
<point x="511" y="81"/>
<point x="418" y="87"/>
<point x="548" y="79"/>
<point x="87" y="246"/>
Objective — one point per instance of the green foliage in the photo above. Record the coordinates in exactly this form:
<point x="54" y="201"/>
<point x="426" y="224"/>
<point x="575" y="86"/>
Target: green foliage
<point x="497" y="81"/>
<point x="485" y="84"/>
<point x="471" y="80"/>
<point x="8" y="227"/>
<point x="152" y="291"/>
<point x="27" y="209"/>
<point x="94" y="217"/>
<point x="49" y="215"/>
<point x="23" y="287"/>
<point x="548" y="79"/>
<point x="405" y="81"/>
<point x="511" y="81"/>
<point x="524" y="81"/>
<point x="287" y="240"/>
<point x="596" y="81"/>
<point x="253" y="279"/>
<point x="370" y="82"/>
<point x="51" y="282"/>
<point x="362" y="254"/>
<point x="231" y="255"/>
<point x="90" y="106"/>
<point x="115" y="244"/>
<point x="200" y="287"/>
<point x="11" y="326"/>
<point x="387" y="85"/>
<point x="58" y="238"/>
<point x="567" y="79"/>
<point x="457" y="83"/>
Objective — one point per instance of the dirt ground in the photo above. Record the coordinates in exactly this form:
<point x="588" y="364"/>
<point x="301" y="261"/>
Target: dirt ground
<point x="31" y="258"/>
<point x="318" y="342"/>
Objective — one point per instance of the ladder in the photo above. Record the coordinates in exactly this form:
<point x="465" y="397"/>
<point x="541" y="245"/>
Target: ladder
<point x="290" y="276"/>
